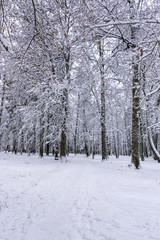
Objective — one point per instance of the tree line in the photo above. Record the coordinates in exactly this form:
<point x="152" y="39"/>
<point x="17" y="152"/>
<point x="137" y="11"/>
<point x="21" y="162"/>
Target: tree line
<point x="80" y="77"/>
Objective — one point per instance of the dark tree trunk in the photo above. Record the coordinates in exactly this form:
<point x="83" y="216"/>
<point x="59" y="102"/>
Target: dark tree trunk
<point x="33" y="149"/>
<point x="41" y="148"/>
<point x="56" y="151"/>
<point x="63" y="144"/>
<point x="86" y="150"/>
<point x="22" y="143"/>
<point x="85" y="133"/>
<point x="103" y="103"/>
<point x="47" y="145"/>
<point x="116" y="146"/>
<point x="15" y="145"/>
<point x="47" y="149"/>
<point x="93" y="147"/>
<point x="141" y="139"/>
<point x="41" y="138"/>
<point x="76" y="128"/>
<point x="135" y="116"/>
<point x="63" y="141"/>
<point x="56" y="155"/>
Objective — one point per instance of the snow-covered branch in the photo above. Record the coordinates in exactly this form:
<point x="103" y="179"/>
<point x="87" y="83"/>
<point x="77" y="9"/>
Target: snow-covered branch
<point x="133" y="22"/>
<point x="3" y="42"/>
<point x="150" y="94"/>
<point x="155" y="152"/>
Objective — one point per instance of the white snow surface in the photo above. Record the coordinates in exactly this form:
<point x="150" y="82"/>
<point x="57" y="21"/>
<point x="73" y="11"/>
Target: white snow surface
<point x="83" y="199"/>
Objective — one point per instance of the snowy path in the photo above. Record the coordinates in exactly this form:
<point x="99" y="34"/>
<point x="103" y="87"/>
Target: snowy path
<point x="83" y="199"/>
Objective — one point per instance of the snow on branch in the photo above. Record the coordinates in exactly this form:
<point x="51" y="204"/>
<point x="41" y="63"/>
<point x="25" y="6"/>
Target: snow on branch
<point x="3" y="42"/>
<point x="155" y="152"/>
<point x="110" y="23"/>
<point x="150" y="94"/>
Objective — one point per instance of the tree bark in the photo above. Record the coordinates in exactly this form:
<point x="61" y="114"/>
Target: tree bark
<point x="41" y="138"/>
<point x="135" y="91"/>
<point x="141" y="138"/>
<point x="103" y="103"/>
<point x="2" y="106"/>
<point x="76" y="128"/>
<point x="63" y="144"/>
<point x="135" y="116"/>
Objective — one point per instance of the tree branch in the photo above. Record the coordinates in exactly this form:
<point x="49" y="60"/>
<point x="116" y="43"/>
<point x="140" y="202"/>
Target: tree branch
<point x="133" y="22"/>
<point x="35" y="16"/>
<point x="3" y="42"/>
<point x="150" y="94"/>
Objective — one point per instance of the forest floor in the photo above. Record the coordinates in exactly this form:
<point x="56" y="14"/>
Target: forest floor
<point x="83" y="199"/>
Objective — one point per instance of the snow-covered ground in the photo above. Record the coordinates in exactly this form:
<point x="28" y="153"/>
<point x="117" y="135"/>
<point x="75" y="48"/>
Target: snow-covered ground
<point x="42" y="199"/>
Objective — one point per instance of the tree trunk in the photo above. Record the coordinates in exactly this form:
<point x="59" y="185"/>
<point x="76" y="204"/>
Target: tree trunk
<point x="76" y="128"/>
<point x="93" y="147"/>
<point x="41" y="138"/>
<point x="141" y="139"/>
<point x="135" y="116"/>
<point x="135" y="90"/>
<point x="47" y="149"/>
<point x="41" y="147"/>
<point x="63" y="145"/>
<point x="47" y="145"/>
<point x="116" y="145"/>
<point x="86" y="150"/>
<point x="2" y="106"/>
<point x="103" y="103"/>
<point x="14" y="148"/>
